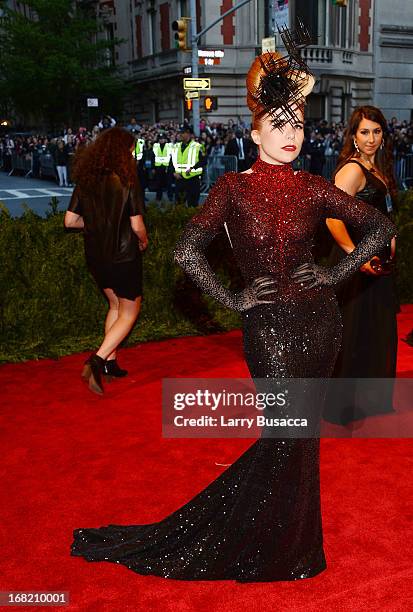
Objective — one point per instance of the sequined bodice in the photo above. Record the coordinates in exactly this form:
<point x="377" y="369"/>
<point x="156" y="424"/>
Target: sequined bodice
<point x="272" y="214"/>
<point x="273" y="217"/>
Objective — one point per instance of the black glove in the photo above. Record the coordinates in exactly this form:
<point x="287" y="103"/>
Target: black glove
<point x="190" y="255"/>
<point x="310" y="275"/>
<point x="252" y="295"/>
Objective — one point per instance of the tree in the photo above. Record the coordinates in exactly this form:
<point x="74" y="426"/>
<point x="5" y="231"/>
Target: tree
<point x="52" y="60"/>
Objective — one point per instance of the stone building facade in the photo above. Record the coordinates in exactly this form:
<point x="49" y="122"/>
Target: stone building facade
<point x="393" y="58"/>
<point x="363" y="53"/>
<point x="349" y="59"/>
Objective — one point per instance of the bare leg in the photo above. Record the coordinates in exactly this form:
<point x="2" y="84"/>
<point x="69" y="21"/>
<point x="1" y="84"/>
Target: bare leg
<point x="127" y="314"/>
<point x="112" y="315"/>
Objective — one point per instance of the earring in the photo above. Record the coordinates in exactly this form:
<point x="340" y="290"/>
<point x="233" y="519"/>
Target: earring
<point x="382" y="144"/>
<point x="356" y="145"/>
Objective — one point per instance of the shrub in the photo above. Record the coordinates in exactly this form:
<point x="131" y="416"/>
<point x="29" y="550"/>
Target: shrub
<point x="49" y="305"/>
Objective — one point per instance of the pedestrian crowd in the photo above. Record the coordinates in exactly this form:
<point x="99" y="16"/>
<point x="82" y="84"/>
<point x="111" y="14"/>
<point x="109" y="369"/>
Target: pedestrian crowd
<point x="171" y="159"/>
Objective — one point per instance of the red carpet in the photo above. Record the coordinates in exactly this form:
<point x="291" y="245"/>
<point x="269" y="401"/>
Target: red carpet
<point x="71" y="459"/>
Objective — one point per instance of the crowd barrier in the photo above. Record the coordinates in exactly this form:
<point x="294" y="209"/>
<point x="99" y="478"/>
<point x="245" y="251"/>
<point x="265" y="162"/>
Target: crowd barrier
<point x="25" y="164"/>
<point x="47" y="165"/>
<point x="21" y="162"/>
<point x="216" y="167"/>
<point x="403" y="168"/>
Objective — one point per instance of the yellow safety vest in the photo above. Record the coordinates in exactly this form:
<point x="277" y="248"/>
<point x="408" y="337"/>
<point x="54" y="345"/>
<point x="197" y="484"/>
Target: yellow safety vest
<point x="140" y="143"/>
<point x="184" y="161"/>
<point x="162" y="157"/>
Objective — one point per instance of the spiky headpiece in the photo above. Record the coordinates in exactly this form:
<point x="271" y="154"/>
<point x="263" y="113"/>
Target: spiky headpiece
<point x="286" y="79"/>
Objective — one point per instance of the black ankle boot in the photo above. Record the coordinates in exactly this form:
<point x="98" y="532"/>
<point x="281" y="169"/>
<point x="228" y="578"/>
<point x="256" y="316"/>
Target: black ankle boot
<point x="92" y="373"/>
<point x="112" y="370"/>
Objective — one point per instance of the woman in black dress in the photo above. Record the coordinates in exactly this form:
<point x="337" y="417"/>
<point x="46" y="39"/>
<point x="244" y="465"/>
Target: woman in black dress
<point x="107" y="205"/>
<point x="367" y="300"/>
<point x="260" y="520"/>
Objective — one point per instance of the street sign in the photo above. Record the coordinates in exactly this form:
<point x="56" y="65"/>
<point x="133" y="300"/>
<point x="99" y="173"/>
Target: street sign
<point x="268" y="44"/>
<point x="192" y="95"/>
<point x="209" y="61"/>
<point x="187" y="70"/>
<point x="92" y="102"/>
<point x="200" y="83"/>
<point x="211" y="53"/>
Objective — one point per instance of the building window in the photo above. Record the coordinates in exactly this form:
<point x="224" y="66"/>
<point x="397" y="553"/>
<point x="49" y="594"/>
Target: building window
<point x="109" y="35"/>
<point x="138" y="22"/>
<point x="315" y="107"/>
<point x="183" y="8"/>
<point x="322" y="24"/>
<point x="351" y="21"/>
<point x="198" y="15"/>
<point x="307" y="11"/>
<point x="345" y="106"/>
<point x="165" y="27"/>
<point x="152" y="31"/>
<point x="338" y="26"/>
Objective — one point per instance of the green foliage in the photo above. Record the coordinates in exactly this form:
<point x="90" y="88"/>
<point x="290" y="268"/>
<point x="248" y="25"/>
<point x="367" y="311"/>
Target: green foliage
<point x="404" y="222"/>
<point x="49" y="304"/>
<point x="52" y="60"/>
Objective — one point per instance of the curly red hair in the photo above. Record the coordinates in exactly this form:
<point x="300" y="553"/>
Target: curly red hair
<point x="111" y="152"/>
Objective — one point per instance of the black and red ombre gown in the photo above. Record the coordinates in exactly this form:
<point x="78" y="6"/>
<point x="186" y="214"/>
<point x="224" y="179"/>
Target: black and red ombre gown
<point x="260" y="520"/>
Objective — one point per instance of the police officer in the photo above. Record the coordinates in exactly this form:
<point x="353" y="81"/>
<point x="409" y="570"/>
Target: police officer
<point x="139" y="146"/>
<point x="189" y="163"/>
<point x="162" y="151"/>
<point x="138" y="154"/>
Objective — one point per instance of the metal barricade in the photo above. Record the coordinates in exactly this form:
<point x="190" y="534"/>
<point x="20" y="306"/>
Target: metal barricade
<point x="329" y="166"/>
<point x="47" y="165"/>
<point x="217" y="166"/>
<point x="21" y="163"/>
<point x="403" y="168"/>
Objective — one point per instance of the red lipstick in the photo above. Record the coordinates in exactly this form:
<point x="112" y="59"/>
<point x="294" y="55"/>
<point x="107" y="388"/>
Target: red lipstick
<point x="289" y="148"/>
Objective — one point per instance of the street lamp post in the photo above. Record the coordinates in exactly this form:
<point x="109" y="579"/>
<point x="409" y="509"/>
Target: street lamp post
<point x="195" y="68"/>
<point x="194" y="47"/>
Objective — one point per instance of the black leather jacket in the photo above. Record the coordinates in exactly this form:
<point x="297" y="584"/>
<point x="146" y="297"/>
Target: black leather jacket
<point x="106" y="214"/>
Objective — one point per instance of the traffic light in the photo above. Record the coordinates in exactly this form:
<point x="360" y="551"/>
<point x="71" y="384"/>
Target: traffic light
<point x="210" y="103"/>
<point x="188" y="105"/>
<point x="180" y="27"/>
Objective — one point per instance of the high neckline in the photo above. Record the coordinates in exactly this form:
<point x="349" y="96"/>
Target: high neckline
<point x="262" y="166"/>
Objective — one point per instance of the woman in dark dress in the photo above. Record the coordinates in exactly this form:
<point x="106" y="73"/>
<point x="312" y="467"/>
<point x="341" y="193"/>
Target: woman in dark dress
<point x="260" y="520"/>
<point x="367" y="300"/>
<point x="107" y="205"/>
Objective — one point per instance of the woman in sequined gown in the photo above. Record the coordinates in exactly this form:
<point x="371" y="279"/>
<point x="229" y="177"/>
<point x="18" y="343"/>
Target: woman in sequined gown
<point x="260" y="520"/>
